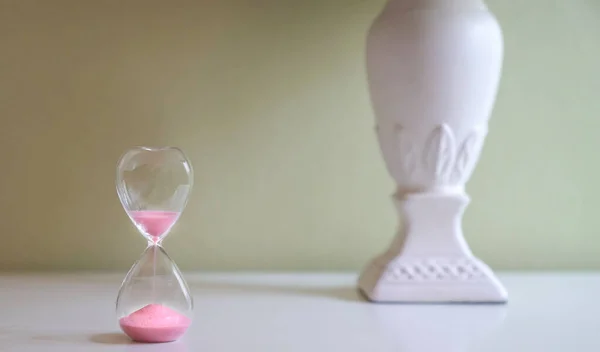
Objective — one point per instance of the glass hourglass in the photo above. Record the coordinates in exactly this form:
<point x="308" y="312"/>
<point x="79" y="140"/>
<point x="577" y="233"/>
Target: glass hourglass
<point x="154" y="303"/>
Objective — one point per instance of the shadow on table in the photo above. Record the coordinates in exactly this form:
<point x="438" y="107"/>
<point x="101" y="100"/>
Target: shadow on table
<point x="114" y="338"/>
<point x="106" y="338"/>
<point x="344" y="293"/>
<point x="121" y="339"/>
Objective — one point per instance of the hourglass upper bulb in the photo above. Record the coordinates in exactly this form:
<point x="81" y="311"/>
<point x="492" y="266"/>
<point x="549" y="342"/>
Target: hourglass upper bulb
<point x="153" y="185"/>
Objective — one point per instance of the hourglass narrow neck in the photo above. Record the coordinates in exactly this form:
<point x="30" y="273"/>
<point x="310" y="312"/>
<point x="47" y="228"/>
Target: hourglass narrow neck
<point x="157" y="243"/>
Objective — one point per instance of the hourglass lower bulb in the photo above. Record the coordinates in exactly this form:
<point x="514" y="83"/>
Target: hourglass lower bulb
<point x="154" y="303"/>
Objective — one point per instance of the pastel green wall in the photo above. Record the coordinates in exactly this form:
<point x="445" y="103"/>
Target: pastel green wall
<point x="268" y="98"/>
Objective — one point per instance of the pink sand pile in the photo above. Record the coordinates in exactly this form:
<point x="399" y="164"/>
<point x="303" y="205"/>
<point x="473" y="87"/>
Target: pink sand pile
<point x="155" y="323"/>
<point x="154" y="222"/>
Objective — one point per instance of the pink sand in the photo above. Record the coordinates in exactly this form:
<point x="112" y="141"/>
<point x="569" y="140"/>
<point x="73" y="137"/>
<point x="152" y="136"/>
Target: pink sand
<point x="155" y="323"/>
<point x="154" y="222"/>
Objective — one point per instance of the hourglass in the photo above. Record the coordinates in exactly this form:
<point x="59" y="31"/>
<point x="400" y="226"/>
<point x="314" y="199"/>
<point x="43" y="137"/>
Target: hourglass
<point x="154" y="303"/>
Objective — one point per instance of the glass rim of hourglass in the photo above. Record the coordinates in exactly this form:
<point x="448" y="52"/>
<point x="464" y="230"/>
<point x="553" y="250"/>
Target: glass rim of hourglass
<point x="154" y="148"/>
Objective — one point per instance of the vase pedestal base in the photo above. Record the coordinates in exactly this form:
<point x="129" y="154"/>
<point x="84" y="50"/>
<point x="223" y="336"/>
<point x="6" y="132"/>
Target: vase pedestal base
<point x="433" y="280"/>
<point x="429" y="261"/>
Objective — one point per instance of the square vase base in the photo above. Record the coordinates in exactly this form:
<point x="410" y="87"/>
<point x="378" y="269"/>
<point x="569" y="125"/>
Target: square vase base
<point x="431" y="280"/>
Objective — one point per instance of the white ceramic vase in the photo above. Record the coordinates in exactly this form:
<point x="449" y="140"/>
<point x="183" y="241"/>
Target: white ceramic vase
<point x="433" y="69"/>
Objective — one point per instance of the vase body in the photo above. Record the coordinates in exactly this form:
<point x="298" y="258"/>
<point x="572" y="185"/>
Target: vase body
<point x="433" y="71"/>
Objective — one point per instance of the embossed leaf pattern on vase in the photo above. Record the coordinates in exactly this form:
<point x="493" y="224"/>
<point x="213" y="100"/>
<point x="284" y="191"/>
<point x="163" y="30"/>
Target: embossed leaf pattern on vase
<point x="442" y="159"/>
<point x="467" y="154"/>
<point x="439" y="153"/>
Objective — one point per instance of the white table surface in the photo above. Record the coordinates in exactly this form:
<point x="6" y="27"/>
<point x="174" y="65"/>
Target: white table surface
<point x="304" y="313"/>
